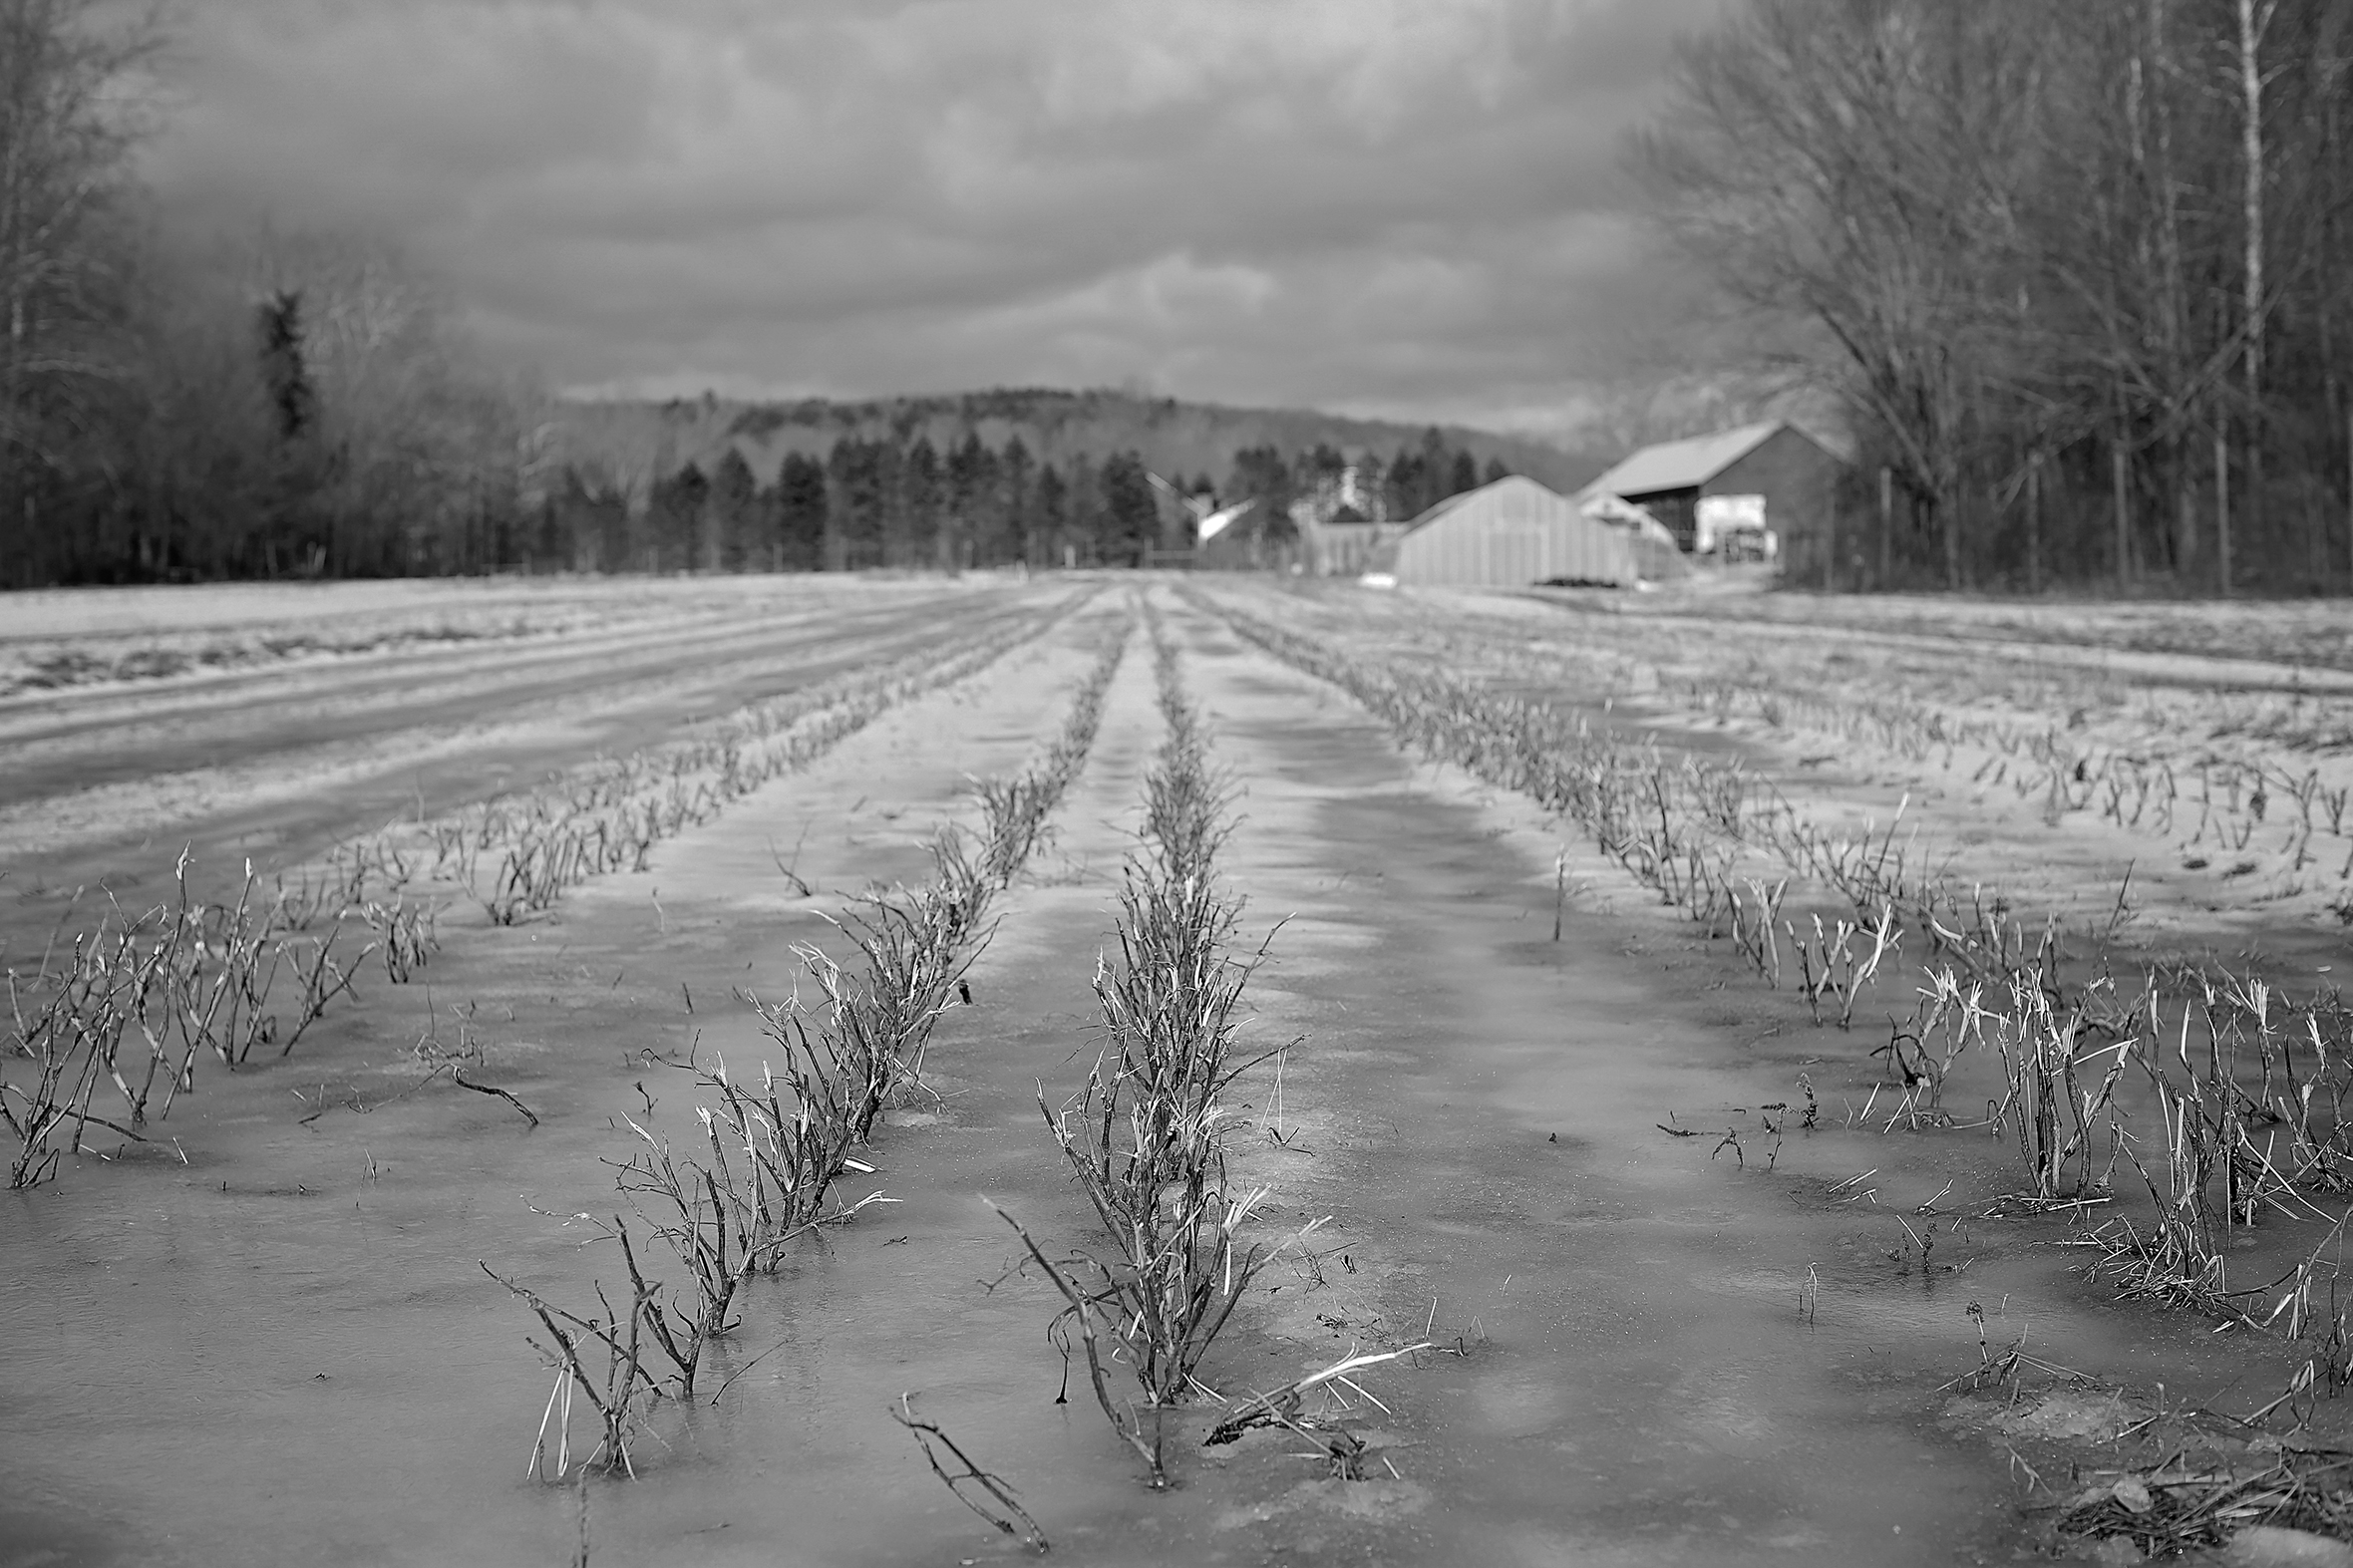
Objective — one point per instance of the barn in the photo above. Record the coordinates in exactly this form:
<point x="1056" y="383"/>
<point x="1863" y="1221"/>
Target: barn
<point x="1516" y="532"/>
<point x="1771" y="475"/>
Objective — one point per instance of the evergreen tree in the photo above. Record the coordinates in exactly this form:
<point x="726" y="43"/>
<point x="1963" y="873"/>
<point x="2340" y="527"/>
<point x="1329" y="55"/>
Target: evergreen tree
<point x="917" y="545"/>
<point x="674" y="520"/>
<point x="1495" y="471"/>
<point x="286" y="537"/>
<point x="1466" y="474"/>
<point x="293" y="399"/>
<point x="734" y="489"/>
<point x="1262" y="475"/>
<point x="1049" y="518"/>
<point x="972" y="500"/>
<point x="1437" y="468"/>
<point x="1130" y="517"/>
<point x="800" y="514"/>
<point x="1016" y="472"/>
<point x="1402" y="486"/>
<point x="1082" y="531"/>
<point x="857" y="502"/>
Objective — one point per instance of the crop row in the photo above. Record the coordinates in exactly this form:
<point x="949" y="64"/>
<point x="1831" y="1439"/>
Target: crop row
<point x="772" y="1152"/>
<point x="2238" y="1112"/>
<point x="132" y="1004"/>
<point x="2207" y="803"/>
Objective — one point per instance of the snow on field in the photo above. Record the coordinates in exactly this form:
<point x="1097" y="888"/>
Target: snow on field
<point x="55" y="638"/>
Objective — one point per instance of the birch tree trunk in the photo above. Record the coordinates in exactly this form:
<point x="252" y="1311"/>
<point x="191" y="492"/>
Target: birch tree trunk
<point x="2254" y="22"/>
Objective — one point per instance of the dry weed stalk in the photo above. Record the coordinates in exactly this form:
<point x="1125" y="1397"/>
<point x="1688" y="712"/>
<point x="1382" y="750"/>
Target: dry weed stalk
<point x="706" y="1228"/>
<point x="2058" y="1118"/>
<point x="136" y="1002"/>
<point x="602" y="1360"/>
<point x="996" y="1501"/>
<point x="1828" y="965"/>
<point x="1286" y="1408"/>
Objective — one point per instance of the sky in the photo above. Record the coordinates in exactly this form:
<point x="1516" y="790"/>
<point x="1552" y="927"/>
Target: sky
<point x="1400" y="208"/>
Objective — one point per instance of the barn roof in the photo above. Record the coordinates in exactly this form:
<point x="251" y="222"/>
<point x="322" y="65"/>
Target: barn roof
<point x="1509" y="484"/>
<point x="1683" y="465"/>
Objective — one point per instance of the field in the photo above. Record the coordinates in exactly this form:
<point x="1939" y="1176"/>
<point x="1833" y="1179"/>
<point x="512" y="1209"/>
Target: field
<point x="1182" y="1069"/>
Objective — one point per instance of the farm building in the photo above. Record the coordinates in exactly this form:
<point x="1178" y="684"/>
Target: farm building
<point x="1516" y="532"/>
<point x="1345" y="549"/>
<point x="1771" y="477"/>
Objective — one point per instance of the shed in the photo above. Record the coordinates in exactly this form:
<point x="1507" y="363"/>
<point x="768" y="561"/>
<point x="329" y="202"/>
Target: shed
<point x="1345" y="549"/>
<point x="1794" y="477"/>
<point x="1516" y="532"/>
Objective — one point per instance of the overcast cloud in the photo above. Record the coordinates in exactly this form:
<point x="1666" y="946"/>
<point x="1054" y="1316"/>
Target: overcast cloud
<point x="1401" y="207"/>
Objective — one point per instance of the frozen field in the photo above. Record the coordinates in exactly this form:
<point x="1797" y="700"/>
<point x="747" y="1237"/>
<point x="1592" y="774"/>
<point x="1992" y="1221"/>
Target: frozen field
<point x="1769" y="1081"/>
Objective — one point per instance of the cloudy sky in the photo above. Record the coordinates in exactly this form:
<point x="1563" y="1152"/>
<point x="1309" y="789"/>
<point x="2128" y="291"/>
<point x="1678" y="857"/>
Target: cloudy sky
<point x="1399" y="207"/>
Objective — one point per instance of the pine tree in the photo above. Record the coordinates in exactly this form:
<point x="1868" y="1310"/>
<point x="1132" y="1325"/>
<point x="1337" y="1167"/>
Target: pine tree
<point x="1437" y="468"/>
<point x="1016" y="472"/>
<point x="968" y="477"/>
<point x="674" y="520"/>
<point x="1404" y="487"/>
<point x="1131" y="519"/>
<point x="1083" y="530"/>
<point x="729" y="508"/>
<point x="917" y="545"/>
<point x="1466" y="474"/>
<point x="294" y="471"/>
<point x="293" y="399"/>
<point x="1051" y="518"/>
<point x="800" y="514"/>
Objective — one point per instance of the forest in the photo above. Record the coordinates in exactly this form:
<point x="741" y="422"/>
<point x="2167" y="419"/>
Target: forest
<point x="2077" y="276"/>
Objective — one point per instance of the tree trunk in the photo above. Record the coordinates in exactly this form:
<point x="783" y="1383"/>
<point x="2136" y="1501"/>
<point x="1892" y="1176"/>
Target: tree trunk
<point x="2253" y="21"/>
<point x="1886" y="528"/>
<point x="2120" y="464"/>
<point x="1950" y="526"/>
<point x="2222" y="505"/>
<point x="2178" y="466"/>
<point x="2034" y="524"/>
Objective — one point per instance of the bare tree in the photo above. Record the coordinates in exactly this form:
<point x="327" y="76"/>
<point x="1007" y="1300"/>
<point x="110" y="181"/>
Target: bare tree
<point x="2047" y="255"/>
<point x="70" y="98"/>
<point x="1853" y="164"/>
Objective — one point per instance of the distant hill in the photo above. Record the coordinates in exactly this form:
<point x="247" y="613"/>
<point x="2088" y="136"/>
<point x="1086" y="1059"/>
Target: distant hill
<point x="638" y="443"/>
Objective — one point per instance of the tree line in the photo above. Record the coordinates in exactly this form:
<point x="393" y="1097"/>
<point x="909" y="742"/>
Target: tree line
<point x="2077" y="275"/>
<point x="890" y="501"/>
<point x="869" y="502"/>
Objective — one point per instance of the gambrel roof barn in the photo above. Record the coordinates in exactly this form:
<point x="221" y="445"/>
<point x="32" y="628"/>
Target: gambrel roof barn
<point x="1797" y="475"/>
